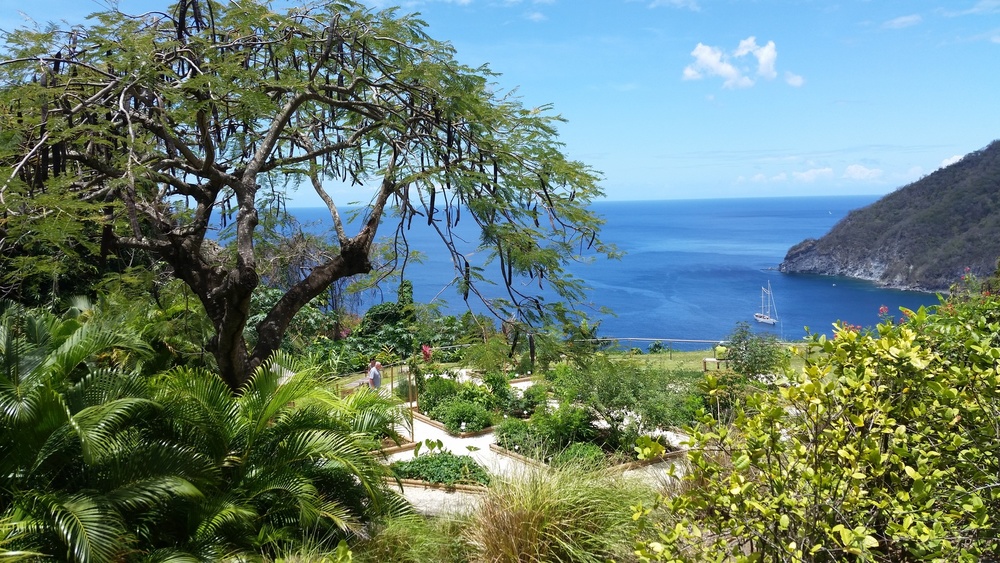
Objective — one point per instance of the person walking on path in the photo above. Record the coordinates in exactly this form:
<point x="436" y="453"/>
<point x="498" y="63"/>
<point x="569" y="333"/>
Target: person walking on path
<point x="375" y="375"/>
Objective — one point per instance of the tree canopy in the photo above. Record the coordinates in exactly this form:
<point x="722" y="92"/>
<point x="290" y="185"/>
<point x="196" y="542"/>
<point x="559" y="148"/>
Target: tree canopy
<point x="135" y="136"/>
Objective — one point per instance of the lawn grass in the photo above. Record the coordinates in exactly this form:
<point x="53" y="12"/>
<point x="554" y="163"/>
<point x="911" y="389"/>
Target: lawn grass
<point x="692" y="360"/>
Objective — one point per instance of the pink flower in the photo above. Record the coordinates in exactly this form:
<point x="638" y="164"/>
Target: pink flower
<point x="426" y="351"/>
<point x="883" y="310"/>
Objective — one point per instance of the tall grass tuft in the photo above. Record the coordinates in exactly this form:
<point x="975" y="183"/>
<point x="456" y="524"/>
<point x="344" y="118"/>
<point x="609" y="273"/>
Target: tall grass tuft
<point x="414" y="539"/>
<point x="562" y="515"/>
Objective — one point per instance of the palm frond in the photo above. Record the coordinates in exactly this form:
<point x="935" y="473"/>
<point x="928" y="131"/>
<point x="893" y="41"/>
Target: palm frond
<point x="89" y="531"/>
<point x="87" y="342"/>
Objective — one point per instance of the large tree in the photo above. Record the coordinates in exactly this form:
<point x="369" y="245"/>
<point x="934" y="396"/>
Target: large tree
<point x="132" y="131"/>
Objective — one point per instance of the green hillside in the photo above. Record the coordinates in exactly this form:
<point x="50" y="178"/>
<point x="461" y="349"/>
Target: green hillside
<point x="921" y="236"/>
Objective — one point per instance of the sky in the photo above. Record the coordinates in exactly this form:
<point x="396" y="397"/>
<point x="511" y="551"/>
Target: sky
<point x="725" y="98"/>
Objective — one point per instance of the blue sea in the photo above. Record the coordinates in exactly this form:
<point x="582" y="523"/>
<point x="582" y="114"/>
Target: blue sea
<point x="693" y="269"/>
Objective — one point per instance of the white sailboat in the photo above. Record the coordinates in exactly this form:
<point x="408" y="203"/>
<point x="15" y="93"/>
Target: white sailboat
<point x="768" y="310"/>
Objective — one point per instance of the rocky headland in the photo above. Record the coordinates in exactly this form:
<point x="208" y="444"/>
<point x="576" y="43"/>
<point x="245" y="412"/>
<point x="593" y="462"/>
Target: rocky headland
<point x="923" y="236"/>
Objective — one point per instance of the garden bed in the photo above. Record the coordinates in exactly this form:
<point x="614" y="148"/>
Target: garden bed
<point x="618" y="468"/>
<point x="389" y="447"/>
<point x="417" y="415"/>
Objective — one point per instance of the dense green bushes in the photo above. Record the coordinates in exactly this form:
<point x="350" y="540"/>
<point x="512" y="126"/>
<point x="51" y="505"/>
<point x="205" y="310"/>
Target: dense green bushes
<point x="459" y="415"/>
<point x="883" y="448"/>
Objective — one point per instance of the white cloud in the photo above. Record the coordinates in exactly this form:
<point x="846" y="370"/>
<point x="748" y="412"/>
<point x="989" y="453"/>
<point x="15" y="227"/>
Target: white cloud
<point x="813" y="174"/>
<point x="713" y="61"/>
<point x="984" y="7"/>
<point x="765" y="55"/>
<point x="859" y="172"/>
<point x="761" y="178"/>
<point x="903" y="21"/>
<point x="535" y="16"/>
<point x="688" y="4"/>
<point x="949" y="161"/>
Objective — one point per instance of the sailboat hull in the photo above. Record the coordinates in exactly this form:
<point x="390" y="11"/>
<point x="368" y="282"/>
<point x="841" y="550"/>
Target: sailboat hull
<point x="762" y="318"/>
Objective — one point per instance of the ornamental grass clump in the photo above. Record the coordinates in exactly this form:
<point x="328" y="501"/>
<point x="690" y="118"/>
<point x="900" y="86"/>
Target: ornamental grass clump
<point x="567" y="514"/>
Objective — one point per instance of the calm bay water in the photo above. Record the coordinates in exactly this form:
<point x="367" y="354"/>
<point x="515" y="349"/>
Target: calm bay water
<point x="694" y="268"/>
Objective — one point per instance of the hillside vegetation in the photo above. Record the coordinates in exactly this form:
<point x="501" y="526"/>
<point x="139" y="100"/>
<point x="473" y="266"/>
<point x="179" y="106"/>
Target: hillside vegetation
<point x="922" y="236"/>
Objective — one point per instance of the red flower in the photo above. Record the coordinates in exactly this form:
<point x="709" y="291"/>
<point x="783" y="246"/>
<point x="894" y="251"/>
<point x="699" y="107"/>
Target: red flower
<point x="883" y="310"/>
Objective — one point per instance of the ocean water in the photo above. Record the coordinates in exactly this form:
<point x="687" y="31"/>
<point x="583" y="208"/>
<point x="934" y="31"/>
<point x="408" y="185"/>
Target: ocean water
<point x="693" y="269"/>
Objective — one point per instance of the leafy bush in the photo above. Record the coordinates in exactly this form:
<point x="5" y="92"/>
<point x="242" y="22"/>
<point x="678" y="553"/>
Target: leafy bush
<point x="682" y="408"/>
<point x="657" y="348"/>
<point x="478" y="394"/>
<point x="580" y="454"/>
<point x="442" y="467"/>
<point x="881" y="449"/>
<point x="525" y="403"/>
<point x="437" y="389"/>
<point x="456" y="412"/>
<point x="751" y="354"/>
<point x="563" y="426"/>
<point x="503" y="395"/>
<point x="405" y="390"/>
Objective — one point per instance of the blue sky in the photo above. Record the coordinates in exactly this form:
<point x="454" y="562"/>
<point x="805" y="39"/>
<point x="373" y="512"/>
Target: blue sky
<point x="729" y="98"/>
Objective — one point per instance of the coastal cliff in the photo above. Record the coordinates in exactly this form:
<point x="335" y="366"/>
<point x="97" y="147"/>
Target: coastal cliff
<point x="922" y="236"/>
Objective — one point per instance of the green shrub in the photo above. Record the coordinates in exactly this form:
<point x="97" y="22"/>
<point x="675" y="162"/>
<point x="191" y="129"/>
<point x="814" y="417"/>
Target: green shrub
<point x="503" y="395"/>
<point x="445" y="468"/>
<point x="751" y="354"/>
<point x="521" y="437"/>
<point x="459" y="415"/>
<point x="526" y="402"/>
<point x="405" y="390"/>
<point x="437" y="389"/>
<point x="580" y="454"/>
<point x="883" y="448"/>
<point x="478" y="394"/>
<point x="564" y="425"/>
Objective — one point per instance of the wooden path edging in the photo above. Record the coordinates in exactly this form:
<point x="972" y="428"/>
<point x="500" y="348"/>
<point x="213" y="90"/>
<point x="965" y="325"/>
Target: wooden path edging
<point x="457" y="487"/>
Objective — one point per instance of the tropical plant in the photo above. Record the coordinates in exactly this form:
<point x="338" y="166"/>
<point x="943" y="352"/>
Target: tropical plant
<point x="285" y="456"/>
<point x="436" y="390"/>
<point x="131" y="133"/>
<point x="79" y="463"/>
